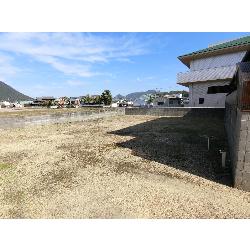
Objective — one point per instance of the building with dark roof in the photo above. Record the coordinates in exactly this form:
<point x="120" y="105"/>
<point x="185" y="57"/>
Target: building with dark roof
<point x="213" y="66"/>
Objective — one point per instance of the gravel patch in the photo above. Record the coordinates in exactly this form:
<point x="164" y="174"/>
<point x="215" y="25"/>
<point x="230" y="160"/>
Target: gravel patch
<point x="117" y="167"/>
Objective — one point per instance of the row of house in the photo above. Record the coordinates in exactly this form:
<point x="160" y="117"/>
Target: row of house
<point x="55" y="102"/>
<point x="158" y="100"/>
<point x="7" y="104"/>
<point x="175" y="100"/>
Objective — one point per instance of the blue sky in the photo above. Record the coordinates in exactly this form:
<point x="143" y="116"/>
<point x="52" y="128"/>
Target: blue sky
<point x="74" y="64"/>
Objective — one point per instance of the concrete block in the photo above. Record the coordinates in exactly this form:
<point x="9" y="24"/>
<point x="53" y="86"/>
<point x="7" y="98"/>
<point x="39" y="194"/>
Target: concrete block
<point x="239" y="166"/>
<point x="238" y="178"/>
<point x="246" y="167"/>
<point x="241" y="145"/>
<point x="247" y="157"/>
<point x="244" y="125"/>
<point x="247" y="146"/>
<point x="240" y="155"/>
<point x="243" y="135"/>
<point x="245" y="116"/>
<point x="246" y="181"/>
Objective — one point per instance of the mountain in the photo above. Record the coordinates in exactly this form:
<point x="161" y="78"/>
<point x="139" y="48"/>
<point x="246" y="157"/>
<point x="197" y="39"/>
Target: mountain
<point x="136" y="95"/>
<point x="119" y="97"/>
<point x="183" y="92"/>
<point x="7" y="93"/>
<point x="143" y="94"/>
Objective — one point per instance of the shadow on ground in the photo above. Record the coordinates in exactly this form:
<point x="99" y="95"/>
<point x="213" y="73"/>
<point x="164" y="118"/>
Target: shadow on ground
<point x="181" y="142"/>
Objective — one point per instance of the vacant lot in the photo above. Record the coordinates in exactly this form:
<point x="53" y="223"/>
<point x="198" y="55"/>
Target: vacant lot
<point x="118" y="167"/>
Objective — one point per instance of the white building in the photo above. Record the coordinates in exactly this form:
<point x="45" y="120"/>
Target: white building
<point x="167" y="101"/>
<point x="213" y="66"/>
<point x="139" y="103"/>
<point x="5" y="104"/>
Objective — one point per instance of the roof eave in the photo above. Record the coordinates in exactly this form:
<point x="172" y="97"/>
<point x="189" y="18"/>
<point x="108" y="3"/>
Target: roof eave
<point x="188" y="58"/>
<point x="186" y="84"/>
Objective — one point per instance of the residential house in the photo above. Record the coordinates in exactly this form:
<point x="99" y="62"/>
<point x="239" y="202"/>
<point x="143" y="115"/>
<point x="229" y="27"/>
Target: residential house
<point x="43" y="101"/>
<point x="122" y="103"/>
<point x="214" y="66"/>
<point x="26" y="103"/>
<point x="167" y="101"/>
<point x="5" y="104"/>
<point x="74" y="102"/>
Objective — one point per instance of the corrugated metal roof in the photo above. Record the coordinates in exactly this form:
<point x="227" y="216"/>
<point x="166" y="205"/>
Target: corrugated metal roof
<point x="234" y="43"/>
<point x="213" y="74"/>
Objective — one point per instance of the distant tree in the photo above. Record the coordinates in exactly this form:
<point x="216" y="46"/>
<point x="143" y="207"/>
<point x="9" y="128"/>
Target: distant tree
<point x="106" y="97"/>
<point x="97" y="100"/>
<point x="87" y="99"/>
<point x="150" y="99"/>
<point x="49" y="103"/>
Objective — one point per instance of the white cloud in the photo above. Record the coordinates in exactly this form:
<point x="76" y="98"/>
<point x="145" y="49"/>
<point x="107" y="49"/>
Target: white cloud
<point x="6" y="67"/>
<point x="138" y="79"/>
<point x="66" y="68"/>
<point x="74" y="53"/>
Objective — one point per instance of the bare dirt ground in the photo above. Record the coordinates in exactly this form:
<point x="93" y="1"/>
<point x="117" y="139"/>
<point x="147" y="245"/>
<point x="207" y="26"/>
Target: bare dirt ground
<point x="117" y="167"/>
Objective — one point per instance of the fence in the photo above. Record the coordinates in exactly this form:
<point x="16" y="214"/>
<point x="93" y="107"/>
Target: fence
<point x="22" y="121"/>
<point x="237" y="123"/>
<point x="173" y="111"/>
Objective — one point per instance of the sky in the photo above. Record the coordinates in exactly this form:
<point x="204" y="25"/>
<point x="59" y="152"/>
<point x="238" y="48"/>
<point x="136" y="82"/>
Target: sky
<point x="75" y="64"/>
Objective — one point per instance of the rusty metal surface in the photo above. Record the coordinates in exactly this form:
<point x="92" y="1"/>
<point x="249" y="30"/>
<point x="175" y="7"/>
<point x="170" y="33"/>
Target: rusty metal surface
<point x="244" y="86"/>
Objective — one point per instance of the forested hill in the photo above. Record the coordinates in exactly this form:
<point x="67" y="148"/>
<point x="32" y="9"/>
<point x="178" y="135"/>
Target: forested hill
<point x="7" y="93"/>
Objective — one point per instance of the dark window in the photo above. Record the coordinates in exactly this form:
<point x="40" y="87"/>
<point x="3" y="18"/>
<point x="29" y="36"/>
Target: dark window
<point x="160" y="103"/>
<point x="171" y="102"/>
<point x="201" y="100"/>
<point x="220" y="89"/>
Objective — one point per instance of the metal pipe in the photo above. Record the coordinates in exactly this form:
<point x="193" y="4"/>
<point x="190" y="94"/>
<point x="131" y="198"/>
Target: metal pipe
<point x="223" y="158"/>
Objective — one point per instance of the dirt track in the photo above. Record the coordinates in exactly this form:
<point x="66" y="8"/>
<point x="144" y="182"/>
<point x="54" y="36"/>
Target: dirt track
<point x="116" y="167"/>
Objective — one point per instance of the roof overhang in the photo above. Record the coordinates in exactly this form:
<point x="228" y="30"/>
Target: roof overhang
<point x="186" y="59"/>
<point x="187" y="84"/>
<point x="206" y="75"/>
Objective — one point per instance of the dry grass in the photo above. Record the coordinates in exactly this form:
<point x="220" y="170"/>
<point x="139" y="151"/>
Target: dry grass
<point x="116" y="167"/>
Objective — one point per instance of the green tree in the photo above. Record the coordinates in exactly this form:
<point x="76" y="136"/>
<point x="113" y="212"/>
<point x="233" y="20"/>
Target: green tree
<point x="97" y="100"/>
<point x="87" y="99"/>
<point x="49" y="103"/>
<point x="150" y="99"/>
<point x="106" y="97"/>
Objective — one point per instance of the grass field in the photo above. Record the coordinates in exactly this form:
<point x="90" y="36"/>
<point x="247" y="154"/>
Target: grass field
<point x="118" y="167"/>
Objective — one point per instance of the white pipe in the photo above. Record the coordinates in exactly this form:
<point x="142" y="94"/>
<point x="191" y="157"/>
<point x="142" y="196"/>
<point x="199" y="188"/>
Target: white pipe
<point x="223" y="158"/>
